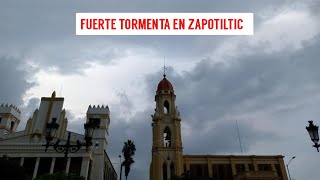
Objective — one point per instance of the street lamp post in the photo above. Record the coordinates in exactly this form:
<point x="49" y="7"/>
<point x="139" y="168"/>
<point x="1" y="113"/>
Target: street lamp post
<point x="120" y="167"/>
<point x="288" y="166"/>
<point x="314" y="134"/>
<point x="68" y="147"/>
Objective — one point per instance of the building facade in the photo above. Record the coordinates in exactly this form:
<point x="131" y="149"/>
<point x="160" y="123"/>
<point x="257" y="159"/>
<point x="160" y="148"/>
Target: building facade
<point x="27" y="147"/>
<point x="167" y="150"/>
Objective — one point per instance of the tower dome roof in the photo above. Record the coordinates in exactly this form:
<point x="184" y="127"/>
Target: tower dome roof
<point x="164" y="84"/>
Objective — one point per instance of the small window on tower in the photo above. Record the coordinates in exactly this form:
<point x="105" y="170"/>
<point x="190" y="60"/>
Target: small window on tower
<point x="0" y="120"/>
<point x="12" y="126"/>
<point x="96" y="121"/>
<point x="166" y="107"/>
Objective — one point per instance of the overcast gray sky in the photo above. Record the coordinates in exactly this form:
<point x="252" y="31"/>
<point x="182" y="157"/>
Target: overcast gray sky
<point x="268" y="82"/>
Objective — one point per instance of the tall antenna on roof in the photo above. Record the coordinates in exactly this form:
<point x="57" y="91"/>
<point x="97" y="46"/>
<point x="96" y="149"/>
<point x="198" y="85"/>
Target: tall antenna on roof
<point x="239" y="136"/>
<point x="164" y="66"/>
<point x="61" y="89"/>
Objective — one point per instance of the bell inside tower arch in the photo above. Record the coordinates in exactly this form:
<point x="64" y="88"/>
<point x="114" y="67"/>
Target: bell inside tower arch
<point x="167" y="137"/>
<point x="166" y="107"/>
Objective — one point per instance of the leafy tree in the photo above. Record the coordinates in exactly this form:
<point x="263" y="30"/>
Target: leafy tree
<point x="12" y="170"/>
<point x="128" y="151"/>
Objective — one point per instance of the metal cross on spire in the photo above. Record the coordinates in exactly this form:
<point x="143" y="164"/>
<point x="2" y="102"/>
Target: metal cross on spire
<point x="164" y="67"/>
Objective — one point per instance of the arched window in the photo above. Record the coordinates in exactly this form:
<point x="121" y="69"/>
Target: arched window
<point x="164" y="171"/>
<point x="11" y="126"/>
<point x="167" y="137"/>
<point x="166" y="107"/>
<point x="172" y="173"/>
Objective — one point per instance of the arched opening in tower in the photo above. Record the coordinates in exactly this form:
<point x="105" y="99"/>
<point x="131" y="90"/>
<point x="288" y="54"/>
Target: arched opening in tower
<point x="11" y="126"/>
<point x="164" y="171"/>
<point x="167" y="137"/>
<point x="166" y="107"/>
<point x="172" y="173"/>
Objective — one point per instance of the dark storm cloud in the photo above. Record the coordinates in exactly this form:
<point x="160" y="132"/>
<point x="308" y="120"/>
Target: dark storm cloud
<point x="72" y="57"/>
<point x="223" y="138"/>
<point x="16" y="79"/>
<point x="13" y="78"/>
<point x="216" y="89"/>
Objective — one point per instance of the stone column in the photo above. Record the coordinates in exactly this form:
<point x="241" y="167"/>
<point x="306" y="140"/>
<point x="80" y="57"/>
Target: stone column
<point x="53" y="161"/>
<point x="68" y="165"/>
<point x="233" y="167"/>
<point x="255" y="165"/>
<point x="21" y="161"/>
<point x="85" y="167"/>
<point x="210" y="168"/>
<point x="35" y="171"/>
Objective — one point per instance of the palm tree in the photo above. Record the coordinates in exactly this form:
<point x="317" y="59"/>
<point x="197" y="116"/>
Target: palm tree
<point x="128" y="151"/>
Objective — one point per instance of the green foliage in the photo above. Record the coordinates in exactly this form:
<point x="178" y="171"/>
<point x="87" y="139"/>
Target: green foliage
<point x="128" y="151"/>
<point x="12" y="170"/>
<point x="60" y="176"/>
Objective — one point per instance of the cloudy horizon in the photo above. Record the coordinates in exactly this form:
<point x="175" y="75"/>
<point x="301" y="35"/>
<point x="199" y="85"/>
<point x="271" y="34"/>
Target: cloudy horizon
<point x="268" y="82"/>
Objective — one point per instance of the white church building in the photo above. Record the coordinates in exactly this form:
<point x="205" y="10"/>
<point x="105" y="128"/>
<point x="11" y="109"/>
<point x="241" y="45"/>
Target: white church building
<point x="27" y="147"/>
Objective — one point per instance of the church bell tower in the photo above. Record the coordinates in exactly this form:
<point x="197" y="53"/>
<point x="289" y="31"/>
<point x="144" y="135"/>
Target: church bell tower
<point x="167" y="156"/>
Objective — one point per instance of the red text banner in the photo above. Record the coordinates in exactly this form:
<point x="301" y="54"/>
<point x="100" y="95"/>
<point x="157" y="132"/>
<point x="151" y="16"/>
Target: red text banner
<point x="164" y="24"/>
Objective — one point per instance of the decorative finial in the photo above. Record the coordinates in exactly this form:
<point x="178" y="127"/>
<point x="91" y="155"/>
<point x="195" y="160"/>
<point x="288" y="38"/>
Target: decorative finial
<point x="164" y="66"/>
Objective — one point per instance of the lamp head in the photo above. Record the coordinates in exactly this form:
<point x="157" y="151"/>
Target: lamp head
<point x="89" y="128"/>
<point x="51" y="129"/>
<point x="313" y="132"/>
